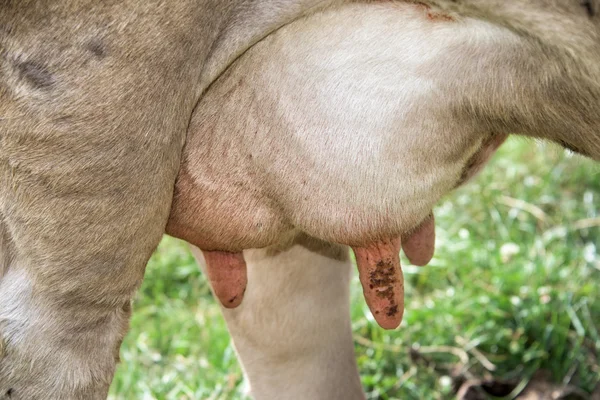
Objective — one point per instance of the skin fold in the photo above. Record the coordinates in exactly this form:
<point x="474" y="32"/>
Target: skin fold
<point x="241" y="126"/>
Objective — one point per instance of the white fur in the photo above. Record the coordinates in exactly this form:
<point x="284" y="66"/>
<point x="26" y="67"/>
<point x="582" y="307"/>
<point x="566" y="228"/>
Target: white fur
<point x="346" y="121"/>
<point x="361" y="98"/>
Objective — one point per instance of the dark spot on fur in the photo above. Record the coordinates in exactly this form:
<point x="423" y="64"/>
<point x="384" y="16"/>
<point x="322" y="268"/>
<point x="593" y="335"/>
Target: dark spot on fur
<point x="9" y="392"/>
<point x="589" y="8"/>
<point x="96" y="47"/>
<point x="36" y="74"/>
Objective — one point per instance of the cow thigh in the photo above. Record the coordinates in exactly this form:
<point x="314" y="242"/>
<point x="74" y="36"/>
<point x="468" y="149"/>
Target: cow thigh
<point x="89" y="154"/>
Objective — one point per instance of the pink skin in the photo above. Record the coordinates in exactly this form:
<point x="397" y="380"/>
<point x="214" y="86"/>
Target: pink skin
<point x="420" y="244"/>
<point x="380" y="271"/>
<point x="382" y="281"/>
<point x="378" y="266"/>
<point x="227" y="275"/>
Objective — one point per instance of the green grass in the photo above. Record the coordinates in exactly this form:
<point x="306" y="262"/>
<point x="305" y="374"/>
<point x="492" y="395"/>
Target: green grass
<point x="514" y="287"/>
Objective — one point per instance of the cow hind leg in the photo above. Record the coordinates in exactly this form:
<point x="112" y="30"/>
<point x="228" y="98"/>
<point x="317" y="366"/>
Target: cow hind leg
<point x="58" y="344"/>
<point x="52" y="349"/>
<point x="83" y="203"/>
<point x="69" y="272"/>
<point x="292" y="332"/>
<point x="65" y="295"/>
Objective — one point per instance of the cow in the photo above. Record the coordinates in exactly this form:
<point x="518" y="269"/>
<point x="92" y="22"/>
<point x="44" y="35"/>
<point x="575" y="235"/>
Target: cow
<point x="273" y="135"/>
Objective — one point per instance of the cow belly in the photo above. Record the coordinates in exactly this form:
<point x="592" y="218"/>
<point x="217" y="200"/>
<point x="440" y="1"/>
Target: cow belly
<point x="336" y="125"/>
